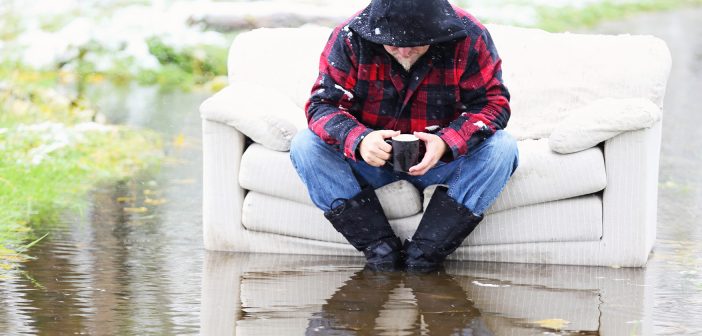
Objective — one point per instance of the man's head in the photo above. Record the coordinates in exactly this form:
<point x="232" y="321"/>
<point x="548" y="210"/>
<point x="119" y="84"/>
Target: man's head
<point x="409" y="23"/>
<point x="406" y="56"/>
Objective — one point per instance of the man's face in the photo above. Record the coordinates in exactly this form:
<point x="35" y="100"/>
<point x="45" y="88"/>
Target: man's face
<point x="406" y="56"/>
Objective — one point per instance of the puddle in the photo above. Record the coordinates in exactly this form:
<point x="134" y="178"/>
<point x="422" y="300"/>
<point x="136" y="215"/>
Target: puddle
<point x="111" y="270"/>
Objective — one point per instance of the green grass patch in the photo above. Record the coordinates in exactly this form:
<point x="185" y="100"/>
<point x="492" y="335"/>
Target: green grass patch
<point x="561" y="19"/>
<point x="53" y="154"/>
<point x="185" y="68"/>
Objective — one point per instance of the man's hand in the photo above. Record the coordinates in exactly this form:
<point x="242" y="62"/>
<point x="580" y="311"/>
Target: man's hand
<point x="374" y="150"/>
<point x="436" y="147"/>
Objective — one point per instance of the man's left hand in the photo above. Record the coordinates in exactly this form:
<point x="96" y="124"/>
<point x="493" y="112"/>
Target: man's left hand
<point x="435" y="149"/>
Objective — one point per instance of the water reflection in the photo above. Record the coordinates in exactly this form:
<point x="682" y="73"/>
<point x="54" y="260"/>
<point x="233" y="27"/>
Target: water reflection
<point x="246" y="294"/>
<point x="398" y="303"/>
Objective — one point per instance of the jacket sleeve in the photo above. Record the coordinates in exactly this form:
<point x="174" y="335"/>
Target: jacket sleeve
<point x="330" y="112"/>
<point x="484" y="97"/>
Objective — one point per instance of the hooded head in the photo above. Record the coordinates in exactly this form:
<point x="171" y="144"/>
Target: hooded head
<point x="408" y="23"/>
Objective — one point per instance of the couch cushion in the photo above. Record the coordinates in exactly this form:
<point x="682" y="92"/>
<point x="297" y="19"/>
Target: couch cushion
<point x="261" y="113"/>
<point x="542" y="176"/>
<point x="272" y="173"/>
<point x="602" y="120"/>
<point x="256" y="57"/>
<point x="575" y="219"/>
<point x="549" y="75"/>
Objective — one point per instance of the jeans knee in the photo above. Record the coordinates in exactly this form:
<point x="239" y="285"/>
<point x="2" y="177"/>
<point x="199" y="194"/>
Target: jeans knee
<point x="308" y="149"/>
<point x="505" y="146"/>
<point x="303" y="144"/>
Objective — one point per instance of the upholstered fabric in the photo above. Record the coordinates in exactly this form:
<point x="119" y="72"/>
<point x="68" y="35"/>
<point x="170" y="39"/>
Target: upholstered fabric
<point x="266" y="116"/>
<point x="542" y="176"/>
<point x="602" y="120"/>
<point x="265" y="56"/>
<point x="628" y="219"/>
<point x="550" y="75"/>
<point x="575" y="219"/>
<point x="270" y="172"/>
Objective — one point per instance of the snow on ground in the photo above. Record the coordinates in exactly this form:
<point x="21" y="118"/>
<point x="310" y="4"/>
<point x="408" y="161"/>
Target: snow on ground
<point x="49" y="137"/>
<point x="124" y="29"/>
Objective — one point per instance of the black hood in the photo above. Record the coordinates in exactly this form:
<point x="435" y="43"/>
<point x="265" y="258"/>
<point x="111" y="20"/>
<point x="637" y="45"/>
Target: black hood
<point x="408" y="23"/>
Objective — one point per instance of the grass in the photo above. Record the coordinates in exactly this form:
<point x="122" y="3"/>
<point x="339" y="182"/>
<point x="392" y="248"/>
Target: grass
<point x="562" y="19"/>
<point x="53" y="154"/>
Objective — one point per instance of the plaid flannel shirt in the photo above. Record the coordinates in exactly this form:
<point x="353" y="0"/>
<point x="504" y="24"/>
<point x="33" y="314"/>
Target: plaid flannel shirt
<point x="456" y="85"/>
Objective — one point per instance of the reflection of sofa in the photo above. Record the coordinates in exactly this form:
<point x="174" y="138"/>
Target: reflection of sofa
<point x="594" y="99"/>
<point x="269" y="294"/>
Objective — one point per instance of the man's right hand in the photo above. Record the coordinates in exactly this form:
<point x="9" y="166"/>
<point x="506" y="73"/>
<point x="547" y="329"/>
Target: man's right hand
<point x="374" y="150"/>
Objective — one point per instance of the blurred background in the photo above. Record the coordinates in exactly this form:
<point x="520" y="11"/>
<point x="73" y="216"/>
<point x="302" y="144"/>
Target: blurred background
<point x="100" y="177"/>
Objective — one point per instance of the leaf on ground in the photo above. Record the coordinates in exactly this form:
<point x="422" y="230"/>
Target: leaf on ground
<point x="184" y="181"/>
<point x="179" y="140"/>
<point x="151" y="201"/>
<point x="136" y="210"/>
<point x="555" y="324"/>
<point x="125" y="199"/>
<point x="148" y="192"/>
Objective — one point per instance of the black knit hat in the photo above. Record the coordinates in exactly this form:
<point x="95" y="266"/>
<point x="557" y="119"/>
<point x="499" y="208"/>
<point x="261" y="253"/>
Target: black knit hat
<point x="408" y="23"/>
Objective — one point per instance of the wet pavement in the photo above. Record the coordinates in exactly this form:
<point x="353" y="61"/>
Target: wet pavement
<point x="109" y="271"/>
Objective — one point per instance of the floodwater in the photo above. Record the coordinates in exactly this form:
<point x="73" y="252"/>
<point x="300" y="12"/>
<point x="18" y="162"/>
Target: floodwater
<point x="110" y="272"/>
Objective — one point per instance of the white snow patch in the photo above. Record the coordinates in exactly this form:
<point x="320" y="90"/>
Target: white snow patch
<point x="54" y="136"/>
<point x="346" y="92"/>
<point x="123" y="34"/>
<point x="480" y="124"/>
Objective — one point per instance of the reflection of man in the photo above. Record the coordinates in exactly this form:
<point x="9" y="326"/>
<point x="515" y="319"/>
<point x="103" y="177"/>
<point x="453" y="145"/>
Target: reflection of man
<point x="355" y="307"/>
<point x="406" y="66"/>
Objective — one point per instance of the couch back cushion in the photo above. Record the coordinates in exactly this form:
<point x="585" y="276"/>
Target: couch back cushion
<point x="551" y="74"/>
<point x="285" y="59"/>
<point x="548" y="74"/>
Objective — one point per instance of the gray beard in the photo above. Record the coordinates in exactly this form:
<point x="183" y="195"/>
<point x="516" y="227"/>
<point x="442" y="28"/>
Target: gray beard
<point x="407" y="64"/>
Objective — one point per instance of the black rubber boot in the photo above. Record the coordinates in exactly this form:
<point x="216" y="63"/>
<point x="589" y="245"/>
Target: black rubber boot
<point x="363" y="223"/>
<point x="444" y="226"/>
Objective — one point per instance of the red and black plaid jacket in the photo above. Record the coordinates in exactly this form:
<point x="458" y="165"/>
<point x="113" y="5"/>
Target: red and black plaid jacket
<point x="456" y="85"/>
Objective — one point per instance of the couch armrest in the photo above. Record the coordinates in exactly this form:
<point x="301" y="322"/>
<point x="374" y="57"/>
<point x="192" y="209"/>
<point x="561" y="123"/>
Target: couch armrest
<point x="630" y="199"/>
<point x="223" y="197"/>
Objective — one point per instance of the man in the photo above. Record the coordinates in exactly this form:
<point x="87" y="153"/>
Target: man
<point x="407" y="66"/>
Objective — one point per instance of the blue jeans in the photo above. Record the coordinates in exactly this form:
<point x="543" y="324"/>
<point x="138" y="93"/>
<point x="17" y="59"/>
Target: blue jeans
<point x="474" y="180"/>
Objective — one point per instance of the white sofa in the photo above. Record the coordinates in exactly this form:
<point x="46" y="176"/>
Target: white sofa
<point x="586" y="110"/>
